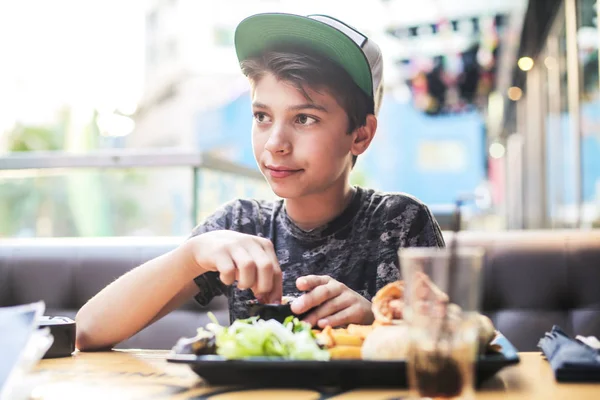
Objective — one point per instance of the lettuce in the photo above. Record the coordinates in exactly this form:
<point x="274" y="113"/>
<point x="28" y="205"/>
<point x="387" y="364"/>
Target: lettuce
<point x="255" y="337"/>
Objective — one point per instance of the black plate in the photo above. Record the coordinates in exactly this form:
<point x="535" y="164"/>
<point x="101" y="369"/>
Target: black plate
<point x="347" y="374"/>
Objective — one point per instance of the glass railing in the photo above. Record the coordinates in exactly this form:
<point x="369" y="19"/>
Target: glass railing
<point x="117" y="193"/>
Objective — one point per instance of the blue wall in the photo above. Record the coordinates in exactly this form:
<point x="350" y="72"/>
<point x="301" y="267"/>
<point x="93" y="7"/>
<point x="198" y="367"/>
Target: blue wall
<point x="228" y="127"/>
<point x="395" y="159"/>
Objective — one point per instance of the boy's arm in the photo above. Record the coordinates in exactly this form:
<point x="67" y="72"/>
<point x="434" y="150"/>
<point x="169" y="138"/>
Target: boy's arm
<point x="146" y="293"/>
<point x="136" y="299"/>
<point x="189" y="291"/>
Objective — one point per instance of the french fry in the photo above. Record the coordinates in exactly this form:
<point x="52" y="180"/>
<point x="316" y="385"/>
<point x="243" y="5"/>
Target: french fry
<point x="345" y="352"/>
<point x="325" y="337"/>
<point x="344" y="343"/>
<point x="361" y="331"/>
<point x="346" y="339"/>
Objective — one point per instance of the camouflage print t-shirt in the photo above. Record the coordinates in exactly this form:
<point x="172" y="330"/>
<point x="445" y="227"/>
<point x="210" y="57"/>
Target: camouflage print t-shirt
<point x="358" y="248"/>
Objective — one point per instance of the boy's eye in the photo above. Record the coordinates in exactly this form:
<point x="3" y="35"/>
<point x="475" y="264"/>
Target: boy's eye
<point x="304" y="119"/>
<point x="261" y="117"/>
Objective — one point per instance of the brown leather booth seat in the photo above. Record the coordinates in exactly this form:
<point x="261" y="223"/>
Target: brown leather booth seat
<point x="532" y="280"/>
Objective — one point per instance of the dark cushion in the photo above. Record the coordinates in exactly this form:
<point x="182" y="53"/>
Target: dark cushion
<point x="66" y="273"/>
<point x="532" y="280"/>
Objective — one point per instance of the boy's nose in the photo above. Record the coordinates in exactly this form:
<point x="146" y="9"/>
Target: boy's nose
<point x="278" y="141"/>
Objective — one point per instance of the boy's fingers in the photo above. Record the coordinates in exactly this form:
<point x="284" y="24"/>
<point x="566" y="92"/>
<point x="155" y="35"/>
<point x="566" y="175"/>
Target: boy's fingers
<point x="246" y="268"/>
<point x="342" y="317"/>
<point x="309" y="282"/>
<point x="274" y="297"/>
<point x="226" y="268"/>
<point x="267" y="245"/>
<point x="260" y="297"/>
<point x="328" y="308"/>
<point x="264" y="269"/>
<point x="276" y="292"/>
<point x="317" y="296"/>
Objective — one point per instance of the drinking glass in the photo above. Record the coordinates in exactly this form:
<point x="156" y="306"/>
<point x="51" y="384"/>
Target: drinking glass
<point x="442" y="293"/>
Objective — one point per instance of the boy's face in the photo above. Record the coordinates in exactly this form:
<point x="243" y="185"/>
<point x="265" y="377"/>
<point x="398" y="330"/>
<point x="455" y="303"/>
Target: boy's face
<point x="301" y="146"/>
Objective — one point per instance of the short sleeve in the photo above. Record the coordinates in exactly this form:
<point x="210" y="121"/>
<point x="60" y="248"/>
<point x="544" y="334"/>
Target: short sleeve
<point x="401" y="220"/>
<point x="209" y="283"/>
<point x="424" y="230"/>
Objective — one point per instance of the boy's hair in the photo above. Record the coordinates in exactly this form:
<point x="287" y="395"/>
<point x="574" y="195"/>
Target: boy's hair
<point x="305" y="68"/>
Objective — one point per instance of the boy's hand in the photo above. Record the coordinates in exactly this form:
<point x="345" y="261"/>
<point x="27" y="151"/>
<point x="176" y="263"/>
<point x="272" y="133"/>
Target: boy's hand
<point x="336" y="303"/>
<point x="249" y="259"/>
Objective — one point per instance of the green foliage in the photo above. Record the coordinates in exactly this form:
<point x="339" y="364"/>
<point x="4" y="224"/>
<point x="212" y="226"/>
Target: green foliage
<point x="35" y="138"/>
<point x="75" y="203"/>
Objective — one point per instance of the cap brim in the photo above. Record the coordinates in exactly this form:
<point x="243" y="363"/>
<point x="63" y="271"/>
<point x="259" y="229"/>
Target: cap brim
<point x="260" y="32"/>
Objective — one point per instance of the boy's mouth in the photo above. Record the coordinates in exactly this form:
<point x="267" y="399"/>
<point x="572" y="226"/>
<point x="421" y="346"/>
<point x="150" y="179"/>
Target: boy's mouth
<point x="281" y="172"/>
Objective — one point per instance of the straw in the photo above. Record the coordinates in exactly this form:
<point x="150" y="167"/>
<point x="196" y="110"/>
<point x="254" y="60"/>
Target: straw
<point x="453" y="258"/>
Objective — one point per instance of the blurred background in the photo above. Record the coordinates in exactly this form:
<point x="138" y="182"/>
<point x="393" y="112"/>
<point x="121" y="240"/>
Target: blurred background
<point x="131" y="118"/>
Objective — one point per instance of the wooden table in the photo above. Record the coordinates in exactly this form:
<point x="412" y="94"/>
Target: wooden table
<point x="143" y="374"/>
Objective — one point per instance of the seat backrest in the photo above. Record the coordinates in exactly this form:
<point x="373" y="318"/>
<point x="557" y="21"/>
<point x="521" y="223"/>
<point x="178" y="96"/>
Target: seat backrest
<point x="535" y="279"/>
<point x="532" y="280"/>
<point x="65" y="273"/>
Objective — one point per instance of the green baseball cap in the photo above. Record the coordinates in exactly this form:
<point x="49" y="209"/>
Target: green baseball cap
<point x="343" y="44"/>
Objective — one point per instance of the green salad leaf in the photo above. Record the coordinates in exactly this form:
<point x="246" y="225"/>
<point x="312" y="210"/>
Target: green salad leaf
<point x="255" y="337"/>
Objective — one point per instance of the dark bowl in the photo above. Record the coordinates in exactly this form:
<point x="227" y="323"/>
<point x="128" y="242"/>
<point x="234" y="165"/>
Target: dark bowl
<point x="278" y="312"/>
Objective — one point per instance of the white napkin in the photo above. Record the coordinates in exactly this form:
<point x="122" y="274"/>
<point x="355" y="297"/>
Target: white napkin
<point x="591" y="341"/>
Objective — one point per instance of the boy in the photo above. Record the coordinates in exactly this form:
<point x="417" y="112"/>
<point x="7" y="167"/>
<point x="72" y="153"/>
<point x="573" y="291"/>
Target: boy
<point x="316" y="85"/>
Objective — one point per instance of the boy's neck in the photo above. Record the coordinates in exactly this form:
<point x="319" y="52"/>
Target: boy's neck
<point x="316" y="210"/>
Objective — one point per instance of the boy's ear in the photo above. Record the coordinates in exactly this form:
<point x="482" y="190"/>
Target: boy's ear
<point x="363" y="135"/>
